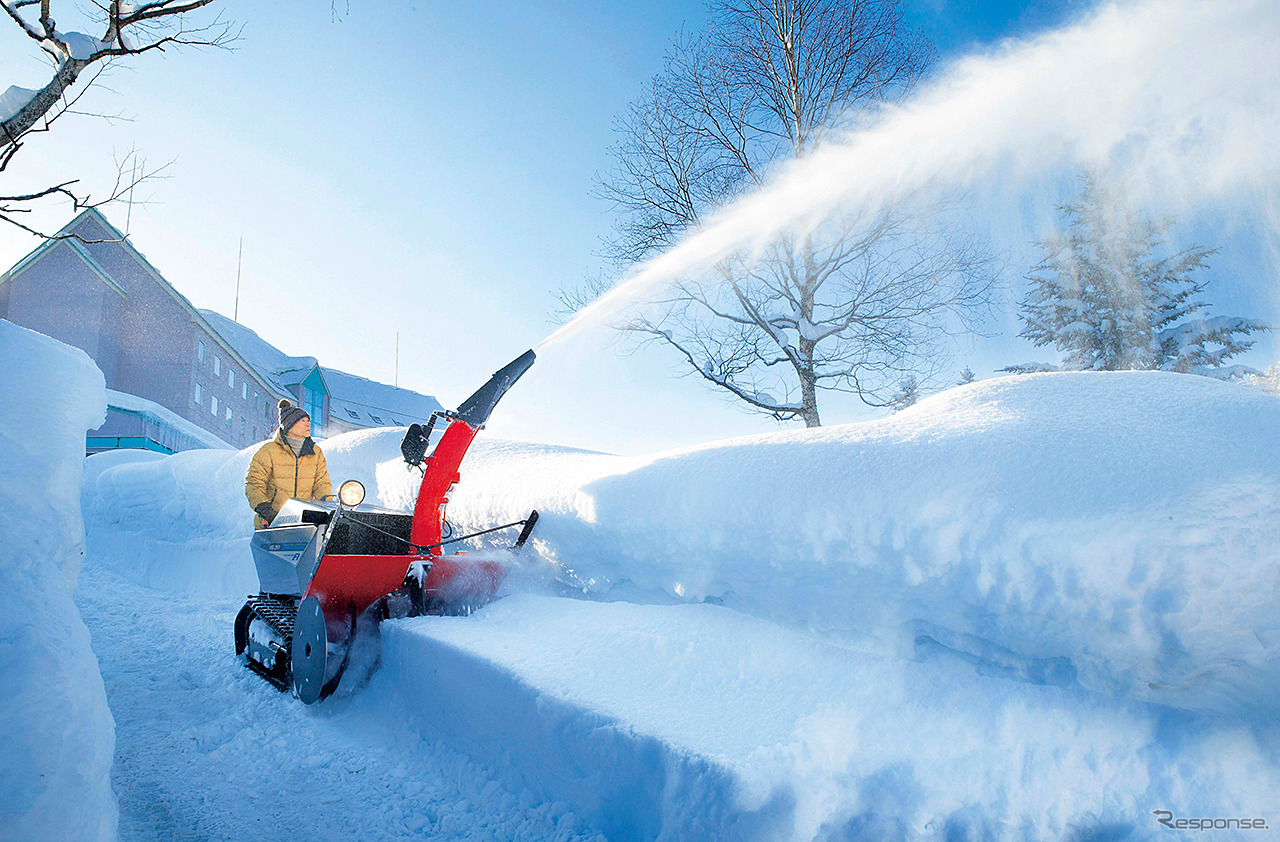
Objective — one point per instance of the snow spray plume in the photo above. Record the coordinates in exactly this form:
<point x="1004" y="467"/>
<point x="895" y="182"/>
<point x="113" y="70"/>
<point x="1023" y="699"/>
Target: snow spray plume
<point x="1175" y="96"/>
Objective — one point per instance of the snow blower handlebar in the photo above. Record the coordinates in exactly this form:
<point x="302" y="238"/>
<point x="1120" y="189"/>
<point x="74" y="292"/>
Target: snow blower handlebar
<point x="528" y="524"/>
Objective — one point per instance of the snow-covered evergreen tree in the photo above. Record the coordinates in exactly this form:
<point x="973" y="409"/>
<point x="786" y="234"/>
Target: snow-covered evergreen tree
<point x="1108" y="295"/>
<point x="908" y="393"/>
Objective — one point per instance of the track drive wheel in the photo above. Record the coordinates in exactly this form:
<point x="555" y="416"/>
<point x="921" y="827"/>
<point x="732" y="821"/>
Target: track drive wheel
<point x="310" y="654"/>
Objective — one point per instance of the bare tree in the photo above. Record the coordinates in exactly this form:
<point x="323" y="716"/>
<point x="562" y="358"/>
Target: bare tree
<point x="128" y="29"/>
<point x="852" y="304"/>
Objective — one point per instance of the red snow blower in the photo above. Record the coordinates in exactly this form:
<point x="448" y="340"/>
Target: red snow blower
<point x="323" y="563"/>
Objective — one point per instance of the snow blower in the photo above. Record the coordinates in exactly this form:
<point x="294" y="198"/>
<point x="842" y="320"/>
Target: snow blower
<point x="323" y="563"/>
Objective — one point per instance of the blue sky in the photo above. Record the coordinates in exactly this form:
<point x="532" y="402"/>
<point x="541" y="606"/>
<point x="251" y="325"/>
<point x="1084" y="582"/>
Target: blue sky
<point x="426" y="168"/>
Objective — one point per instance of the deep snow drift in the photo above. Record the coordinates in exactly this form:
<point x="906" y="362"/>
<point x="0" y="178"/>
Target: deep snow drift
<point x="56" y="733"/>
<point x="1115" y="530"/>
<point x="1047" y="554"/>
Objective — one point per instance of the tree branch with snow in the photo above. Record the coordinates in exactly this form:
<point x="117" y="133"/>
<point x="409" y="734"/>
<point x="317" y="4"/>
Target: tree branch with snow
<point x="125" y="29"/>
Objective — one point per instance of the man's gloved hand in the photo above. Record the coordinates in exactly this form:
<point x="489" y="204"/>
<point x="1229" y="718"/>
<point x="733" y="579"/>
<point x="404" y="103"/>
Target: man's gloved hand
<point x="265" y="512"/>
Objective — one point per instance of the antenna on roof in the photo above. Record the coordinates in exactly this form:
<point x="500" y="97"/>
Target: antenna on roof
<point x="133" y="182"/>
<point x="235" y="317"/>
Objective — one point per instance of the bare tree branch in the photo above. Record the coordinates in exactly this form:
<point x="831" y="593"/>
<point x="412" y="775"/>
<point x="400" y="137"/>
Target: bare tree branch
<point x="855" y="304"/>
<point x="131" y="173"/>
<point x="127" y="30"/>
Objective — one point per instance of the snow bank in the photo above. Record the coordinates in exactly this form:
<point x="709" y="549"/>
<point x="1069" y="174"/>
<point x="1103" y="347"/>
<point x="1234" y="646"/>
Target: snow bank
<point x="1115" y="531"/>
<point x="181" y="523"/>
<point x="948" y="623"/>
<point x="178" y="523"/>
<point x="56" y="733"/>
<point x="697" y="722"/>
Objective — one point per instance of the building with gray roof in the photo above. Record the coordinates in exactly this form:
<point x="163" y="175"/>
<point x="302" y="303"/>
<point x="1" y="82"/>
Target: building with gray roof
<point x="178" y="378"/>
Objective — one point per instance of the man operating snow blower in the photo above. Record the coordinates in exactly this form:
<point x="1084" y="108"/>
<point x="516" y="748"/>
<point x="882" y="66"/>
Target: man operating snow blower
<point x="324" y="563"/>
<point x="288" y="466"/>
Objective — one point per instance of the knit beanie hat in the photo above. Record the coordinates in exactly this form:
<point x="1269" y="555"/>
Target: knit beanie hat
<point x="290" y="415"/>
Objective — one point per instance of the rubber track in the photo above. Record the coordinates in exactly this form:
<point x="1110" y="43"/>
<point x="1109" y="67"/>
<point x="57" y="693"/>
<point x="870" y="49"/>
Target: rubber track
<point x="279" y="612"/>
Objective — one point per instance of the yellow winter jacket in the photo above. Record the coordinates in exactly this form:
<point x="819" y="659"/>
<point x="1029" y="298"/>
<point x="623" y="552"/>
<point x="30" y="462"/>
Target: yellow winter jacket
<point x="276" y="474"/>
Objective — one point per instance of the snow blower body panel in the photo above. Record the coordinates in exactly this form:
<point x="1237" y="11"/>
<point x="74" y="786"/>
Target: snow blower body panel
<point x="322" y="564"/>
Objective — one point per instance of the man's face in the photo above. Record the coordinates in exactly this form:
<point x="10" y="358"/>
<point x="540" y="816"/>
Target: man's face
<point x="301" y="430"/>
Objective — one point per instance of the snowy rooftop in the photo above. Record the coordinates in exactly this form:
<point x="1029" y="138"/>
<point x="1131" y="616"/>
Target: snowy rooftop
<point x="352" y="399"/>
<point x="358" y="400"/>
<point x="156" y="413"/>
<point x="281" y="369"/>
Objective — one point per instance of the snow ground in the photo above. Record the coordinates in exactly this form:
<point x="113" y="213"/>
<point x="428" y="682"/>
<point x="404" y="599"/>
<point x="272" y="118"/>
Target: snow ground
<point x="1071" y="548"/>
<point x="207" y="750"/>
<point x="1115" y="531"/>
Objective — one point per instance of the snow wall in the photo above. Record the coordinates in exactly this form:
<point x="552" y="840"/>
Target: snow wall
<point x="57" y="736"/>
<point x="1115" y="532"/>
<point x="675" y="722"/>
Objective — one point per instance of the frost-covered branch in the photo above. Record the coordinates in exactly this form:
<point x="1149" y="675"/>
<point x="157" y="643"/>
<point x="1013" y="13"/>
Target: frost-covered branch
<point x="127" y="29"/>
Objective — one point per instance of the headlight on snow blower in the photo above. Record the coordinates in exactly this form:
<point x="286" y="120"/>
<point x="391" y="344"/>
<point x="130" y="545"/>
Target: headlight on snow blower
<point x="351" y="494"/>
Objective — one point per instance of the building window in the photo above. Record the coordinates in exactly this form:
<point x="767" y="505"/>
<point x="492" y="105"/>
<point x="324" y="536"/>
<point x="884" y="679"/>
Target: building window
<point x="231" y="377"/>
<point x="244" y="391"/>
<point x="213" y="405"/>
<point x="217" y="365"/>
<point x="353" y="414"/>
<point x="376" y="419"/>
<point x="200" y="350"/>
<point x="228" y="416"/>
<point x="255" y="401"/>
<point x="242" y="428"/>
<point x="199" y="395"/>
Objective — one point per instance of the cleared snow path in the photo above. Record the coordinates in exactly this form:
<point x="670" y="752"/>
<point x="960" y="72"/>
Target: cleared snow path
<point x="206" y="750"/>
<point x="698" y="722"/>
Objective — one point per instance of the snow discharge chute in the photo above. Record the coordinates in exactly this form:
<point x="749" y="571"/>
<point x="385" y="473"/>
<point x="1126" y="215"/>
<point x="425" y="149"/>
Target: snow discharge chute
<point x="321" y="563"/>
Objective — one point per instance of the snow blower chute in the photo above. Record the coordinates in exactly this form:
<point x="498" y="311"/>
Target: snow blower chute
<point x="322" y="563"/>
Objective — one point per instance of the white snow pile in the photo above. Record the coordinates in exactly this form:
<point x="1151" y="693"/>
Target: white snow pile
<point x="56" y="733"/>
<point x="1115" y="531"/>
<point x="176" y="523"/>
<point x="951" y="622"/>
<point x="698" y="722"/>
<point x="181" y="523"/>
<point x="1112" y="531"/>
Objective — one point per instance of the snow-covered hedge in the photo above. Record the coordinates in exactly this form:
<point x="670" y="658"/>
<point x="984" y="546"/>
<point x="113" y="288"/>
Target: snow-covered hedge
<point x="57" y="736"/>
